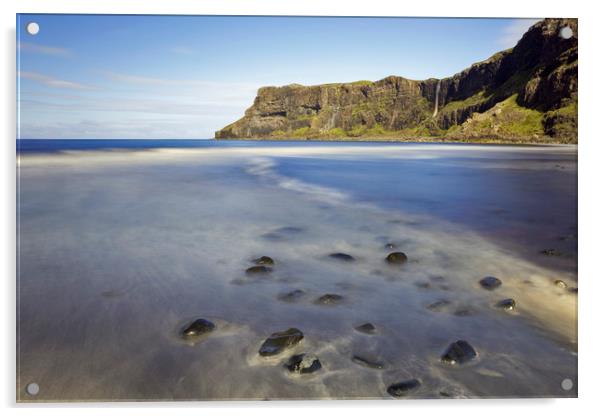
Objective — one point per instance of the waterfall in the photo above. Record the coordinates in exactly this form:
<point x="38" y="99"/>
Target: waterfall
<point x="437" y="98"/>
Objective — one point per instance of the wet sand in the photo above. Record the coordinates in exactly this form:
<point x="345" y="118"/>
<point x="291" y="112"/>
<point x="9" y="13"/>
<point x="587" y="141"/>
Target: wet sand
<point x="119" y="250"/>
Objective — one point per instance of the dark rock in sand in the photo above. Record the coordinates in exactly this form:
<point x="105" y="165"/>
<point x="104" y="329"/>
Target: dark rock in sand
<point x="303" y="364"/>
<point x="197" y="328"/>
<point x="551" y="252"/>
<point x="341" y="256"/>
<point x="439" y="305"/>
<point x="560" y="283"/>
<point x="458" y="352"/>
<point x="490" y="282"/>
<point x="397" y="258"/>
<point x="403" y="388"/>
<point x="506" y="304"/>
<point x="366" y="328"/>
<point x="292" y="296"/>
<point x="329" y="299"/>
<point x="368" y="362"/>
<point x="279" y="341"/>
<point x="465" y="312"/>
<point x="572" y="290"/>
<point x="258" y="270"/>
<point x="264" y="260"/>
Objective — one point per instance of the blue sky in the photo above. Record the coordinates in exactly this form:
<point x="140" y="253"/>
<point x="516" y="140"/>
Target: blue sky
<point x="89" y="76"/>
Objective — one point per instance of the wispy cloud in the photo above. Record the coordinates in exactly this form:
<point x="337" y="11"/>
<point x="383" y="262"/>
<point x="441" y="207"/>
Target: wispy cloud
<point x="512" y="33"/>
<point x="168" y="82"/>
<point x="45" y="50"/>
<point x="52" y="82"/>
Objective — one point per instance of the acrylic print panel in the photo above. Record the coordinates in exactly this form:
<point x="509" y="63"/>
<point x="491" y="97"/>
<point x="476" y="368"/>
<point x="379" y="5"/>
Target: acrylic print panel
<point x="250" y="208"/>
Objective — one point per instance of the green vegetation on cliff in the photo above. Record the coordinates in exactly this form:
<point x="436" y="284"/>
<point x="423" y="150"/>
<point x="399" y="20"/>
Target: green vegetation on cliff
<point x="525" y="94"/>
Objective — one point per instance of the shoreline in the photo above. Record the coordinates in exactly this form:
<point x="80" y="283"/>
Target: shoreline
<point x="403" y="140"/>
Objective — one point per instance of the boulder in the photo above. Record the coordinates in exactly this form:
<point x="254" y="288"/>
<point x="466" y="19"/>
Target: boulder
<point x="506" y="304"/>
<point x="403" y="387"/>
<point x="197" y="328"/>
<point x="397" y="258"/>
<point x="342" y="256"/>
<point x="264" y="260"/>
<point x="303" y="364"/>
<point x="459" y="352"/>
<point x="280" y="341"/>
<point x="366" y="328"/>
<point x="490" y="282"/>
<point x="258" y="270"/>
<point x="329" y="299"/>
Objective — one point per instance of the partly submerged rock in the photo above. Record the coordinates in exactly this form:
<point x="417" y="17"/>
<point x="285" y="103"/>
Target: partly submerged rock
<point x="403" y="387"/>
<point x="197" y="328"/>
<point x="368" y="362"/>
<point x="366" y="328"/>
<point x="490" y="282"/>
<point x="438" y="305"/>
<point x="465" y="311"/>
<point x="329" y="299"/>
<point x="507" y="304"/>
<point x="292" y="296"/>
<point x="303" y="364"/>
<point x="560" y="283"/>
<point x="551" y="252"/>
<point x="342" y="256"/>
<point x="279" y="341"/>
<point x="459" y="352"/>
<point x="264" y="260"/>
<point x="397" y="257"/>
<point x="282" y="233"/>
<point x="259" y="270"/>
<point x="422" y="285"/>
<point x="390" y="246"/>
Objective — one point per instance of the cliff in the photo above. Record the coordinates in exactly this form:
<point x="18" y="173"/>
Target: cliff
<point x="525" y="94"/>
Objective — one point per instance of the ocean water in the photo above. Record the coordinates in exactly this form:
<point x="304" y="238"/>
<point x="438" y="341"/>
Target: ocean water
<point x="121" y="243"/>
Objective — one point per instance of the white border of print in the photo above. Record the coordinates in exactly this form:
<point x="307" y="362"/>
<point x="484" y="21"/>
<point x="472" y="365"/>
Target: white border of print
<point x="590" y="152"/>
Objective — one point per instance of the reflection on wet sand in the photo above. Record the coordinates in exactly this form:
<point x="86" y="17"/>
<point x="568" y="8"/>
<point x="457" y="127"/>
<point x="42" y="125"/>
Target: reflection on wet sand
<point x="121" y="253"/>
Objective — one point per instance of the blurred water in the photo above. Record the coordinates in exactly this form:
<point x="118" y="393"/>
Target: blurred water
<point x="118" y="249"/>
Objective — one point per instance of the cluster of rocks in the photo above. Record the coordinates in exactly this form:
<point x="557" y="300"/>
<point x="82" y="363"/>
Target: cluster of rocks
<point x="262" y="266"/>
<point x="457" y="353"/>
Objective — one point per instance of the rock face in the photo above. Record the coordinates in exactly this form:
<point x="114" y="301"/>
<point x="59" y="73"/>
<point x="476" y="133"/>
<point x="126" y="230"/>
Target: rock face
<point x="536" y="81"/>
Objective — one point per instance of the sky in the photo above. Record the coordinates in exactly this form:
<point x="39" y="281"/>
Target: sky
<point x="184" y="77"/>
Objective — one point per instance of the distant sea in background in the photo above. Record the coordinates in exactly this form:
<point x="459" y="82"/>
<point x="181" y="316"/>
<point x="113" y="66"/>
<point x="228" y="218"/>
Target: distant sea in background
<point x="57" y="145"/>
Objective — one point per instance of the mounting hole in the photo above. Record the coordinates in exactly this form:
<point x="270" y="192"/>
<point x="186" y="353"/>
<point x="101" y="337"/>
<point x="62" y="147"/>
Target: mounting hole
<point x="567" y="384"/>
<point x="32" y="389"/>
<point x="33" y="28"/>
<point x="566" y="32"/>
